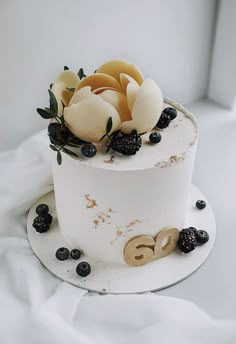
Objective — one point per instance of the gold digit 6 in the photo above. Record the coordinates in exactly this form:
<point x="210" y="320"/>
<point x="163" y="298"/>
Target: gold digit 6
<point x="139" y="250"/>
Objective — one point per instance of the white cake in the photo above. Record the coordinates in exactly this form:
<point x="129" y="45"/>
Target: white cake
<point x="104" y="202"/>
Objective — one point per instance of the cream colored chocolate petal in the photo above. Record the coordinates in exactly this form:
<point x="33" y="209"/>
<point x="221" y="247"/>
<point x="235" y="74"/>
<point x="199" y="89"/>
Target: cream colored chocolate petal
<point x="125" y="80"/>
<point x="131" y="93"/>
<point x="146" y="109"/>
<point x="116" y="67"/>
<point x="99" y="80"/>
<point x="65" y="79"/>
<point x="88" y="118"/>
<point x="82" y="94"/>
<point x="119" y="101"/>
<point x="101" y="89"/>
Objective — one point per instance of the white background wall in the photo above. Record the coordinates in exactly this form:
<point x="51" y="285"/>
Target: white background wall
<point x="222" y="87"/>
<point x="169" y="40"/>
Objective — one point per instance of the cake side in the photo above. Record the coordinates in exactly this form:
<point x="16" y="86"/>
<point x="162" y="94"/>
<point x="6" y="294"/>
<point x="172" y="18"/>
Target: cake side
<point x="104" y="202"/>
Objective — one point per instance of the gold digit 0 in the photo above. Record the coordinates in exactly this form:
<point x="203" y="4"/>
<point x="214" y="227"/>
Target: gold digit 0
<point x="166" y="241"/>
<point x="139" y="250"/>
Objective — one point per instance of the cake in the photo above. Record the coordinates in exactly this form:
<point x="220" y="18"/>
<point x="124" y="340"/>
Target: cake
<point x="122" y="161"/>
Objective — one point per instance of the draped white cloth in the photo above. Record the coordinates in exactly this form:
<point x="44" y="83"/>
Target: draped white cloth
<point x="36" y="307"/>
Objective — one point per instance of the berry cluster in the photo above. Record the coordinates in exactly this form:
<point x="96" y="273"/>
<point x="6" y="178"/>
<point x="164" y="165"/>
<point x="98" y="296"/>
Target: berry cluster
<point x="83" y="269"/>
<point x="43" y="221"/>
<point x="126" y="144"/>
<point x="168" y="114"/>
<point x="190" y="238"/>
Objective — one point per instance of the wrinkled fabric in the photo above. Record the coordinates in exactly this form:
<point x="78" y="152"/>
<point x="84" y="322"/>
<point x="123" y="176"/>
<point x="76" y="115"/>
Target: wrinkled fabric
<point x="37" y="307"/>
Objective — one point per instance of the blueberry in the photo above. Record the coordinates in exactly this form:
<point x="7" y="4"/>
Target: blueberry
<point x="200" y="204"/>
<point x="202" y="237"/>
<point x="75" y="254"/>
<point x="88" y="150"/>
<point x="155" y="137"/>
<point x="62" y="253"/>
<point x="172" y="112"/>
<point x="83" y="269"/>
<point x="42" y="209"/>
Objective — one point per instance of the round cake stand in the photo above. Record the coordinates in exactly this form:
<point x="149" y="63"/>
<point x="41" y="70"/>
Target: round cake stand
<point x="122" y="279"/>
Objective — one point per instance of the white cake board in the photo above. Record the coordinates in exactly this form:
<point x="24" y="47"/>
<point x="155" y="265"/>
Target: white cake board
<point x="122" y="279"/>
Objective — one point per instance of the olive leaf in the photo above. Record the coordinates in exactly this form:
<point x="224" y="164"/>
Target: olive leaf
<point x="71" y="89"/>
<point x="103" y="136"/>
<point x="53" y="103"/>
<point x="53" y="148"/>
<point x="59" y="158"/>
<point x="95" y="71"/>
<point x="50" y="86"/>
<point x="66" y="68"/>
<point x="81" y="74"/>
<point x="109" y="125"/>
<point x="45" y="114"/>
<point x="68" y="151"/>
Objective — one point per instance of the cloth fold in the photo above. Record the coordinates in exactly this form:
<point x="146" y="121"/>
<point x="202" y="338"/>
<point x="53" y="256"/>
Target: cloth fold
<point x="37" y="307"/>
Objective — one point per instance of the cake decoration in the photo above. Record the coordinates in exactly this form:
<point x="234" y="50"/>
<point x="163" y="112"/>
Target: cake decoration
<point x="43" y="221"/>
<point x="143" y="249"/>
<point x="75" y="254"/>
<point x="83" y="269"/>
<point x="200" y="204"/>
<point x="155" y="137"/>
<point x="202" y="237"/>
<point x="62" y="253"/>
<point x="116" y="100"/>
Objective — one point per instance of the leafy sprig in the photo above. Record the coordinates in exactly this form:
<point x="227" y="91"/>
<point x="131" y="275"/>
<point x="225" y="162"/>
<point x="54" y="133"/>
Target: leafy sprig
<point x="58" y="145"/>
<point x="108" y="130"/>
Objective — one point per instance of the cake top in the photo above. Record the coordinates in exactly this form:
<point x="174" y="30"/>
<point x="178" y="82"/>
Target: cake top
<point x="113" y="114"/>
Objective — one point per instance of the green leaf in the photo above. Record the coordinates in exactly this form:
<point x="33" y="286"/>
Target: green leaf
<point x="103" y="136"/>
<point x="95" y="71"/>
<point x="45" y="114"/>
<point x="53" y="103"/>
<point x="53" y="148"/>
<point x="50" y="86"/>
<point x="59" y="158"/>
<point x="109" y="125"/>
<point x="81" y="74"/>
<point x="72" y="89"/>
<point x="108" y="148"/>
<point x="68" y="151"/>
<point x="66" y="68"/>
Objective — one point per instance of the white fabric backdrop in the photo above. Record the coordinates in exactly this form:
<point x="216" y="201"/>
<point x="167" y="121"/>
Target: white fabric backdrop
<point x="36" y="307"/>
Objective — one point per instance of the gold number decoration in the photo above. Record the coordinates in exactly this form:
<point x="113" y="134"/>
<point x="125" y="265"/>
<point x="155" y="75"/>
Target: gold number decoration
<point x="143" y="249"/>
<point x="139" y="250"/>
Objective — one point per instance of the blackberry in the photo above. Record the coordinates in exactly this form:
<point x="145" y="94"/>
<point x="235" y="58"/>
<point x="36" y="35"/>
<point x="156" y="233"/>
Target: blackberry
<point x="42" y="209"/>
<point x="42" y="223"/>
<point x="62" y="253"/>
<point x="58" y="133"/>
<point x="83" y="269"/>
<point x="75" y="254"/>
<point x="127" y="144"/>
<point x="187" y="240"/>
<point x="200" y="204"/>
<point x="155" y="137"/>
<point x="164" y="121"/>
<point x="88" y="150"/>
<point x="172" y="112"/>
<point x="202" y="237"/>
